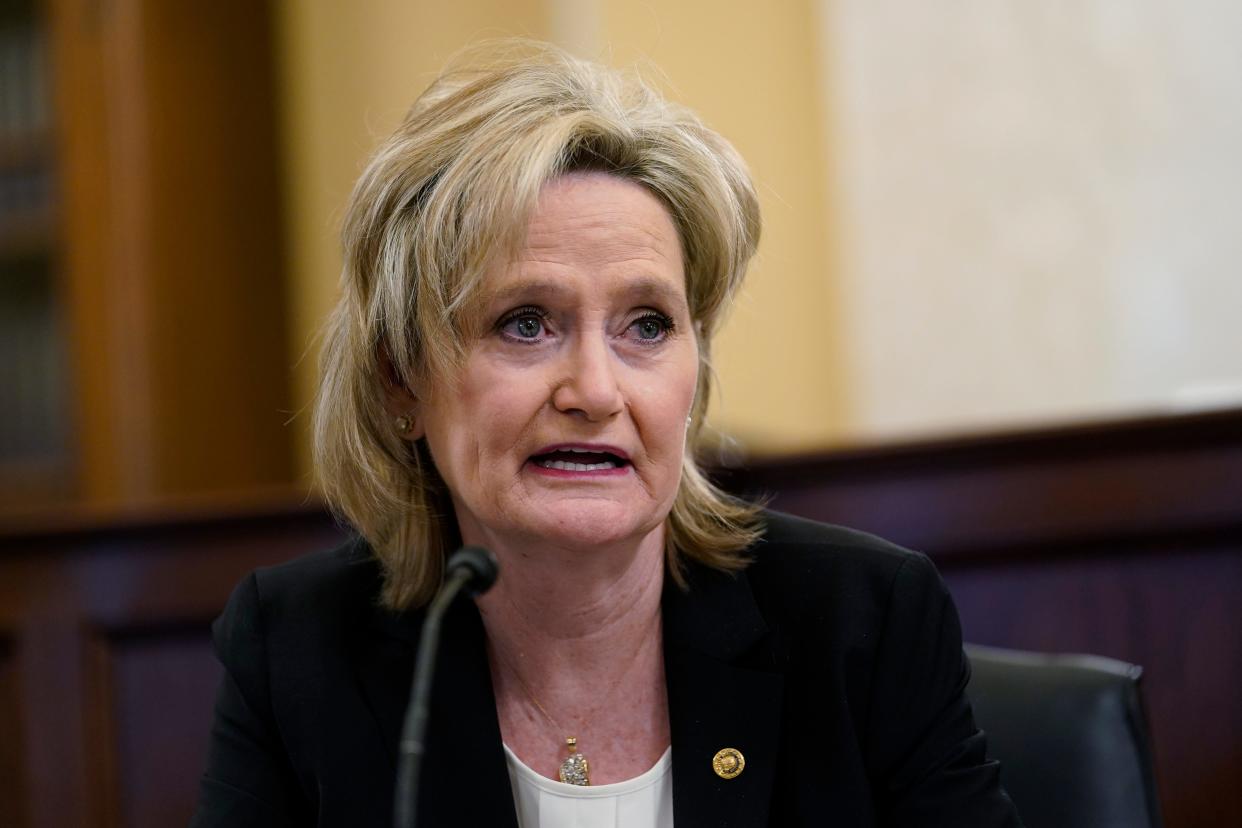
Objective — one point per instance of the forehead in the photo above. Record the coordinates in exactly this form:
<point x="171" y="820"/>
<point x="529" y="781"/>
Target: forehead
<point x="596" y="227"/>
<point x="605" y="209"/>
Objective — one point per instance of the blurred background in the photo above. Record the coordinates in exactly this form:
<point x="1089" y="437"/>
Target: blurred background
<point x="994" y="317"/>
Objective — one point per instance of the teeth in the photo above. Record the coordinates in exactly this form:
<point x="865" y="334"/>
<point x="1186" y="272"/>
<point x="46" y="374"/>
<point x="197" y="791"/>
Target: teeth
<point x="579" y="467"/>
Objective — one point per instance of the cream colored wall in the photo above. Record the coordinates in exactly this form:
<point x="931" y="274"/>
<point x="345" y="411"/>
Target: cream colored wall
<point x="1040" y="208"/>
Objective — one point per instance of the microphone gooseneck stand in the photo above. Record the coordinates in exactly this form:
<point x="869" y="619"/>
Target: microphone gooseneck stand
<point x="475" y="569"/>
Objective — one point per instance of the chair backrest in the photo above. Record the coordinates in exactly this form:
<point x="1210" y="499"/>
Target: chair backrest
<point x="1071" y="737"/>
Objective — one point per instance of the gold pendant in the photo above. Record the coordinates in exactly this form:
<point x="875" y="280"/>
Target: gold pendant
<point x="575" y="770"/>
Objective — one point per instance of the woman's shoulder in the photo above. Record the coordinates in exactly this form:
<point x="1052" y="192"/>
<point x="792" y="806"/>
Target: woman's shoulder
<point x="313" y="591"/>
<point x="793" y="546"/>
<point x="805" y="568"/>
<point x="319" y="575"/>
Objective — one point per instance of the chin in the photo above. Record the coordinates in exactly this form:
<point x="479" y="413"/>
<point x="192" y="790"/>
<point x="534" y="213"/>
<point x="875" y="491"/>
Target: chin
<point x="593" y="525"/>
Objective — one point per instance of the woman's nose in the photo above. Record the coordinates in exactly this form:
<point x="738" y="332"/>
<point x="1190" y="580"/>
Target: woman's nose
<point x="590" y="387"/>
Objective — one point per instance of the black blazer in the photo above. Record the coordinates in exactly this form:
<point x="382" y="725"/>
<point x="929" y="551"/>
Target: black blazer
<point x="833" y="663"/>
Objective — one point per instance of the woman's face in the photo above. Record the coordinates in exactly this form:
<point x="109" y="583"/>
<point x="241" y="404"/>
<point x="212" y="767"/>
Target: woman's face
<point x="568" y="423"/>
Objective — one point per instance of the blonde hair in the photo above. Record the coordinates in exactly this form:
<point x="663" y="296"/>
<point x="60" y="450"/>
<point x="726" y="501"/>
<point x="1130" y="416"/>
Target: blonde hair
<point x="449" y="191"/>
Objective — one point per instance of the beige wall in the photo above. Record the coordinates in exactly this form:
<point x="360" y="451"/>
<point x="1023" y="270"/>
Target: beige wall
<point x="1041" y="209"/>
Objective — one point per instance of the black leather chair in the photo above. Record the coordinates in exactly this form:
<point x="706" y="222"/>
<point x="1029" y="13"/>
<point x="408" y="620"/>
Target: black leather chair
<point x="1071" y="737"/>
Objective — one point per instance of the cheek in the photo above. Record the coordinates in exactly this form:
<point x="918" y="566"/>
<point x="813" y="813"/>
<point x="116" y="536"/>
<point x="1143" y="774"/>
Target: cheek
<point x="688" y="380"/>
<point x="492" y="409"/>
<point x="671" y="398"/>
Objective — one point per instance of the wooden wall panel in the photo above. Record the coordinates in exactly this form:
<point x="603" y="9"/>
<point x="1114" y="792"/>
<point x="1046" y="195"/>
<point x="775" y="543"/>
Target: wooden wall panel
<point x="111" y="615"/>
<point x="12" y="775"/>
<point x="54" y="712"/>
<point x="173" y="282"/>
<point x="163" y="685"/>
<point x="217" y="358"/>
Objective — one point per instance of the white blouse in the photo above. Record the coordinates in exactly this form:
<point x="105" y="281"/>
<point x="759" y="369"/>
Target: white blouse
<point x="645" y="801"/>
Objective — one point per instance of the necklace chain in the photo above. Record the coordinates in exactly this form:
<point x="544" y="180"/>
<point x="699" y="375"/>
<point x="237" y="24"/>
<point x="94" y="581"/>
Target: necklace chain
<point x="576" y="770"/>
<point x="530" y="695"/>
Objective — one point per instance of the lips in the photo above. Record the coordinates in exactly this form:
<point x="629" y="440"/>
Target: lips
<point x="580" y="458"/>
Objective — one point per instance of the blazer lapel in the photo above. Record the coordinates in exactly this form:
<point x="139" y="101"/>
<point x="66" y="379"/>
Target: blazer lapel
<point x="465" y="780"/>
<point x="719" y="699"/>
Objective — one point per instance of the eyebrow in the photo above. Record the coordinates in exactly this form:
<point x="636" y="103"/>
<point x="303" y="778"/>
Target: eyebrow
<point x="643" y="287"/>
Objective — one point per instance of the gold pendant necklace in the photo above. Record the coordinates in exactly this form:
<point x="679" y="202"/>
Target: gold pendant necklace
<point x="575" y="770"/>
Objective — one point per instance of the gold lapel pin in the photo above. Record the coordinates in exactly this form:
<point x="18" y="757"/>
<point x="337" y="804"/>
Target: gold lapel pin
<point x="728" y="762"/>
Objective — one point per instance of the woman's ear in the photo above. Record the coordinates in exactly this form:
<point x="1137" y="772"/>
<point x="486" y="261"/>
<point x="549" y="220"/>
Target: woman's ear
<point x="400" y="402"/>
<point x="402" y="405"/>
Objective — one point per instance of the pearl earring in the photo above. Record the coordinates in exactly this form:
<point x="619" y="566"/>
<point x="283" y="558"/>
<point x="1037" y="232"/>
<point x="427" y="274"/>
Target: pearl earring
<point x="404" y="424"/>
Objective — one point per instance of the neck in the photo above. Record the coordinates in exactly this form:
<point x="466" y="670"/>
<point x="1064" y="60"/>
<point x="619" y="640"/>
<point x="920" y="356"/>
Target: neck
<point x="557" y="612"/>
<point x="575" y="648"/>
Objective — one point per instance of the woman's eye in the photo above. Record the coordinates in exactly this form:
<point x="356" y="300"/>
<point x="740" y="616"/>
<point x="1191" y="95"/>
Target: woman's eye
<point x="527" y="327"/>
<point x="651" y="328"/>
<point x="524" y="324"/>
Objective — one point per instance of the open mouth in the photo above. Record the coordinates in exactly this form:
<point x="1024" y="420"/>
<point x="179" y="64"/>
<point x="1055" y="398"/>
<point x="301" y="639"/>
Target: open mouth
<point x="579" y="460"/>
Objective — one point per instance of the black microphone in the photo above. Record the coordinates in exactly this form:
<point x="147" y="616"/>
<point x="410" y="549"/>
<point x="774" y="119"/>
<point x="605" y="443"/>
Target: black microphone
<point x="474" y="568"/>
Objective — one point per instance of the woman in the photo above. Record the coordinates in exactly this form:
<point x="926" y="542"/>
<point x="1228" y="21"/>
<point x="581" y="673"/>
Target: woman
<point x="535" y="265"/>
